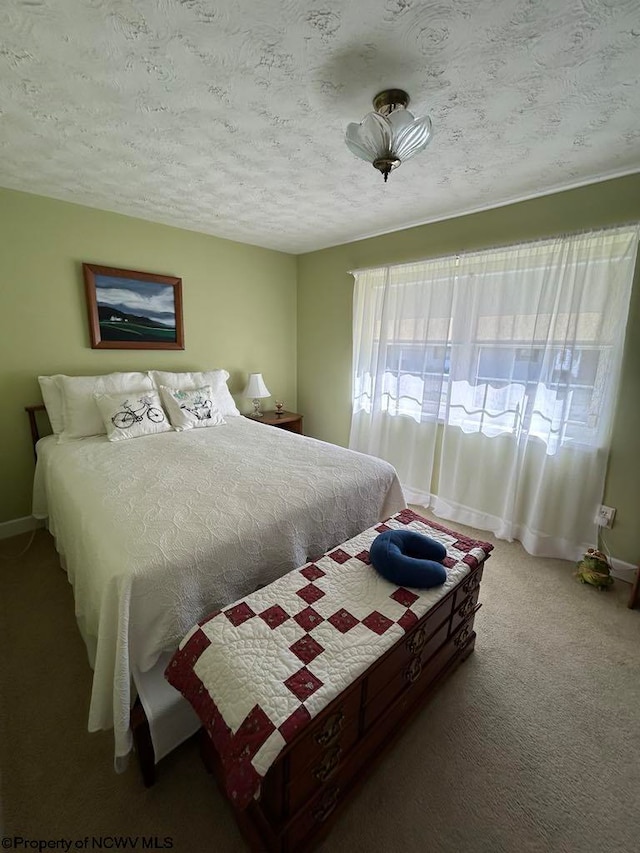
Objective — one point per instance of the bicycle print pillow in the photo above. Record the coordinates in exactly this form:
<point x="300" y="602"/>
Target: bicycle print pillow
<point x="131" y="414"/>
<point x="191" y="409"/>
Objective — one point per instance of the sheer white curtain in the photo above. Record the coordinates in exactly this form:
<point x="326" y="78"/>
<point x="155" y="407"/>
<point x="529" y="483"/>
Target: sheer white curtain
<point x="490" y="379"/>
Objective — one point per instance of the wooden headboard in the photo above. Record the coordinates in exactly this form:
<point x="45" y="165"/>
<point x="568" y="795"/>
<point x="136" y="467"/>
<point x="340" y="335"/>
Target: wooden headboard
<point x="33" y="423"/>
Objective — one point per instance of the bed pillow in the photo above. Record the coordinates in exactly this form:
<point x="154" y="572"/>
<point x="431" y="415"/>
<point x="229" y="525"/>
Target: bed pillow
<point x="216" y="379"/>
<point x="127" y="415"/>
<point x="81" y="414"/>
<point x="53" y="402"/>
<point x="190" y="409"/>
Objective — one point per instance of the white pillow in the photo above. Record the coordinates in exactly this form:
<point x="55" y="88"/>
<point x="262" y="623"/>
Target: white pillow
<point x="127" y="415"/>
<point x="217" y="379"/>
<point x="53" y="402"/>
<point x="81" y="414"/>
<point x="190" y="409"/>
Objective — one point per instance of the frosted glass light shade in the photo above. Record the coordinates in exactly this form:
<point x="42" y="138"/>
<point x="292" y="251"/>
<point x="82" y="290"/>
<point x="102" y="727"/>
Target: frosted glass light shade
<point x="387" y="140"/>
<point x="370" y="137"/>
<point x="255" y="388"/>
<point x="399" y="135"/>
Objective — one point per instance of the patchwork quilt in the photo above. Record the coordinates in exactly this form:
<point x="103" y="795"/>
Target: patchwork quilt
<point x="257" y="672"/>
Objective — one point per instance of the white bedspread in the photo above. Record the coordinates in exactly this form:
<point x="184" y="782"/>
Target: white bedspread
<point x="157" y="532"/>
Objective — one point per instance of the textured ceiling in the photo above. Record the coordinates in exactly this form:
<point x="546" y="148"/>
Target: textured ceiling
<point x="228" y="116"/>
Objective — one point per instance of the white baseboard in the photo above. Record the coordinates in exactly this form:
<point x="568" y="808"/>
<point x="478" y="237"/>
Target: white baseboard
<point x="623" y="571"/>
<point x="19" y="525"/>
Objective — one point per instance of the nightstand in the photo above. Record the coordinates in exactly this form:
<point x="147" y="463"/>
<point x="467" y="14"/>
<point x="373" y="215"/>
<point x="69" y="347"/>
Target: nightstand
<point x="290" y="421"/>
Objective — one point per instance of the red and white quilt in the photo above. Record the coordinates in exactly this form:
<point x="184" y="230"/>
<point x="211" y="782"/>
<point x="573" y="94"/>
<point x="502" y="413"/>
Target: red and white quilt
<point x="258" y="671"/>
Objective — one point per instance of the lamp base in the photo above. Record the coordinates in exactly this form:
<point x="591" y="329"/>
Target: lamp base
<point x="256" y="413"/>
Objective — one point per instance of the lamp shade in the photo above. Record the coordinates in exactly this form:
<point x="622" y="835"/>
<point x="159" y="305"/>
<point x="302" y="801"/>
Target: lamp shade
<point x="255" y="388"/>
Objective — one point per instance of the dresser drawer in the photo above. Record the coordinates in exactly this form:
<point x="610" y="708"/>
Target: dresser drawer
<point x="334" y="726"/>
<point x="469" y="585"/>
<point x="323" y="768"/>
<point x="395" y="682"/>
<point x="424" y="639"/>
<point x="313" y="760"/>
<point x="468" y="606"/>
<point x="387" y="723"/>
<point x="420" y="672"/>
<point x="313" y="817"/>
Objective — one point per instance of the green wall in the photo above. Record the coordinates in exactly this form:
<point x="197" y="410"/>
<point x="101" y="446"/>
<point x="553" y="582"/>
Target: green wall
<point x="240" y="312"/>
<point x="325" y="291"/>
<point x="239" y="305"/>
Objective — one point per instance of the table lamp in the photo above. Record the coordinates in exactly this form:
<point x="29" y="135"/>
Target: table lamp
<point x="256" y="389"/>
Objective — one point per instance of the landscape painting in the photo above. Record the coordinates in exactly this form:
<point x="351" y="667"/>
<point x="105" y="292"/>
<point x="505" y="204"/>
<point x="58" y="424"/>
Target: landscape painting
<point x="133" y="310"/>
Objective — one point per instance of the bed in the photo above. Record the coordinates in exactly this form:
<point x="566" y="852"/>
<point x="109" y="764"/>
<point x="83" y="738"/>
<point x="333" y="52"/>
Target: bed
<point x="157" y="532"/>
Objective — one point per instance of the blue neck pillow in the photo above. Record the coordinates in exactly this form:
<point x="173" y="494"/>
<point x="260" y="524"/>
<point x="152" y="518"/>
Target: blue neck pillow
<point x="407" y="558"/>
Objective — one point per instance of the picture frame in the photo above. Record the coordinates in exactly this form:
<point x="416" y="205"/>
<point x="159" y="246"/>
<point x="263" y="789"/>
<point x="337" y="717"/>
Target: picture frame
<point x="129" y="309"/>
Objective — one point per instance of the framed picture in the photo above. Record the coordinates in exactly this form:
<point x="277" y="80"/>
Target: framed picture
<point x="133" y="310"/>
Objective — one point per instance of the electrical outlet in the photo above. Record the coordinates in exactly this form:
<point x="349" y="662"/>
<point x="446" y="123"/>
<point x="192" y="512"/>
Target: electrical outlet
<point x="605" y="516"/>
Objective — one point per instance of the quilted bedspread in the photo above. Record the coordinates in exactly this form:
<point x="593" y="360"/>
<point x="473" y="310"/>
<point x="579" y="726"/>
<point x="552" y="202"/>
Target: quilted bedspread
<point x="257" y="672"/>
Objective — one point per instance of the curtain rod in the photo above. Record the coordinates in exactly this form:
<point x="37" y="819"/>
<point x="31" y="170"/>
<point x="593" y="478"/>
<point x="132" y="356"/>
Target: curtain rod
<point x="493" y="248"/>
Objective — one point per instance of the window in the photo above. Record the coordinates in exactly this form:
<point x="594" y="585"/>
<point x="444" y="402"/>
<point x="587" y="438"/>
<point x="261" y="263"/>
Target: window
<point x="489" y="382"/>
<point x="518" y="340"/>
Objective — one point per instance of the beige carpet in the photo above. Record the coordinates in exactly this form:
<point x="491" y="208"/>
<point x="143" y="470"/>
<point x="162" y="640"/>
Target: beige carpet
<point x="533" y="745"/>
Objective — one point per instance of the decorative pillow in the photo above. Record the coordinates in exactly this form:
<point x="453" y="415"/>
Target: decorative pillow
<point x="53" y="402"/>
<point x="216" y="379"/>
<point x="127" y="415"/>
<point x="81" y="414"/>
<point x="190" y="409"/>
<point x="407" y="558"/>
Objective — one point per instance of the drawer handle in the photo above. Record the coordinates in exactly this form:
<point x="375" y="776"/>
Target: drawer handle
<point x="462" y="638"/>
<point x="414" y="670"/>
<point x="417" y="641"/>
<point x="466" y="608"/>
<point x="331" y="730"/>
<point x="327" y="804"/>
<point x="471" y="584"/>
<point x="328" y="764"/>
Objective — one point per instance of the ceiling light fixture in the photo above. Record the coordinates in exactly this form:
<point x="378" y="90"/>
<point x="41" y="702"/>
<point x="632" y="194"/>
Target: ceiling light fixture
<point x="389" y="135"/>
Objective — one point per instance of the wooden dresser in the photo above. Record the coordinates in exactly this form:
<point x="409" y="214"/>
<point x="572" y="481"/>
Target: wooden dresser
<point x="315" y="774"/>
